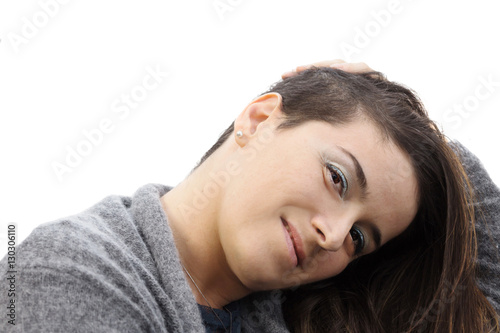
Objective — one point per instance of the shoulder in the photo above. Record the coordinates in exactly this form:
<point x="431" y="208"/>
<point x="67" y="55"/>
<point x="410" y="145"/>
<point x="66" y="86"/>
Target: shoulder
<point x="96" y="233"/>
<point x="87" y="272"/>
<point x="487" y="224"/>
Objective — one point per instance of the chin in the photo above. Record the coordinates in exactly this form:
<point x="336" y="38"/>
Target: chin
<point x="257" y="275"/>
<point x="261" y="277"/>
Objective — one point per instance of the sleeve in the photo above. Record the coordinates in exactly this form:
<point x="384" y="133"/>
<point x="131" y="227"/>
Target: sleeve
<point x="487" y="215"/>
<point x="66" y="282"/>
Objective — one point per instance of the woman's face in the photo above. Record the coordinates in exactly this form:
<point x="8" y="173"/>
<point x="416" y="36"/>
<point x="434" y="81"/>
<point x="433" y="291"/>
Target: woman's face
<point x="308" y="200"/>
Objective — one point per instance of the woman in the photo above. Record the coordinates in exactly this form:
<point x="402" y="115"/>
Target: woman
<point x="333" y="186"/>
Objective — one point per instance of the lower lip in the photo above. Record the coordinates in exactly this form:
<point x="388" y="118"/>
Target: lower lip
<point x="291" y="250"/>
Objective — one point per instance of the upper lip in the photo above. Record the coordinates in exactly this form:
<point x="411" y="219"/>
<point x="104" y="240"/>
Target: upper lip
<point x="297" y="242"/>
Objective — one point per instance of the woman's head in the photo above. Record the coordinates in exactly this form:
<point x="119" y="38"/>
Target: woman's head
<point x="431" y="250"/>
<point x="353" y="118"/>
<point x="370" y="136"/>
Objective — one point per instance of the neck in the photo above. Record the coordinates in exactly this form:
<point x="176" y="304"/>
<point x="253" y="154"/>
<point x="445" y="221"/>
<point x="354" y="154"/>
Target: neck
<point x="193" y="220"/>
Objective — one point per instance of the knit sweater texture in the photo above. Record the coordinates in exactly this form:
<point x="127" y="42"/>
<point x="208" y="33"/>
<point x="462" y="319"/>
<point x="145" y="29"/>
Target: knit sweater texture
<point x="487" y="216"/>
<point x="115" y="268"/>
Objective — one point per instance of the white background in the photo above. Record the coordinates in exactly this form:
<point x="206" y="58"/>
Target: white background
<point x="65" y="77"/>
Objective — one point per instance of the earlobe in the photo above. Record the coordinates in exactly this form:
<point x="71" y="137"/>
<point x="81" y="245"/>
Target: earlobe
<point x="263" y="110"/>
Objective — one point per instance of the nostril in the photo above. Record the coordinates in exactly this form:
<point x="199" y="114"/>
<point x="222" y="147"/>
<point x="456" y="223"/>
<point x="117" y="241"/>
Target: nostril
<point x="321" y="234"/>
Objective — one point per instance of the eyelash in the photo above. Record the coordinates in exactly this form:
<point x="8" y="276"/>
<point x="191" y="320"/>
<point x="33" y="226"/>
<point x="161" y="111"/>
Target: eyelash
<point x="340" y="177"/>
<point x="359" y="243"/>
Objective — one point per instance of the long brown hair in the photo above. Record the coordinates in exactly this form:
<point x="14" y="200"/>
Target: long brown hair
<point x="424" y="279"/>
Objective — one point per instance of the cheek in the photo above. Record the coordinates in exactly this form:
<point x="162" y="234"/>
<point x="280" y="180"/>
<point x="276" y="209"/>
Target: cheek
<point x="327" y="264"/>
<point x="255" y="249"/>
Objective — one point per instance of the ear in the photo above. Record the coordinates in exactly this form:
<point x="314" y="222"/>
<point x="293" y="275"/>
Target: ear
<point x="263" y="110"/>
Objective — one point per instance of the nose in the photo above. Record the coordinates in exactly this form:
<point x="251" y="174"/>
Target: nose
<point x="333" y="232"/>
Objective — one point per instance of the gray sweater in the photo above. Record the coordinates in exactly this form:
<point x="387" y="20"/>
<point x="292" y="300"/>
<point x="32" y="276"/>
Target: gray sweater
<point x="114" y="268"/>
<point x="487" y="217"/>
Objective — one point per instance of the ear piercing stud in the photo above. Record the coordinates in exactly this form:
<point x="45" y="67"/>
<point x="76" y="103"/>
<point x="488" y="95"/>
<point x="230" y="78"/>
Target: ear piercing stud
<point x="239" y="134"/>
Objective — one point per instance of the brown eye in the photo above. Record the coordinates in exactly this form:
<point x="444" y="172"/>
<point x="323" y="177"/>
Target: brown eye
<point x="337" y="177"/>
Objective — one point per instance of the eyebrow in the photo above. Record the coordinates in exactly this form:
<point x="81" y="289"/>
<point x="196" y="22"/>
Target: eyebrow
<point x="361" y="178"/>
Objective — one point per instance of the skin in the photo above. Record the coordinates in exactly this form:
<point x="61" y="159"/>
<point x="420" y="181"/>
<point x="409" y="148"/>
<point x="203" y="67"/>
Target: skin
<point x="230" y="233"/>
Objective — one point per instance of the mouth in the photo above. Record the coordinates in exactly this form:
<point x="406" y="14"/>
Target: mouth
<point x="294" y="243"/>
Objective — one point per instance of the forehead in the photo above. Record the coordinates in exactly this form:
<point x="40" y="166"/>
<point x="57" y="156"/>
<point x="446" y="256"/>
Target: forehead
<point x="391" y="201"/>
